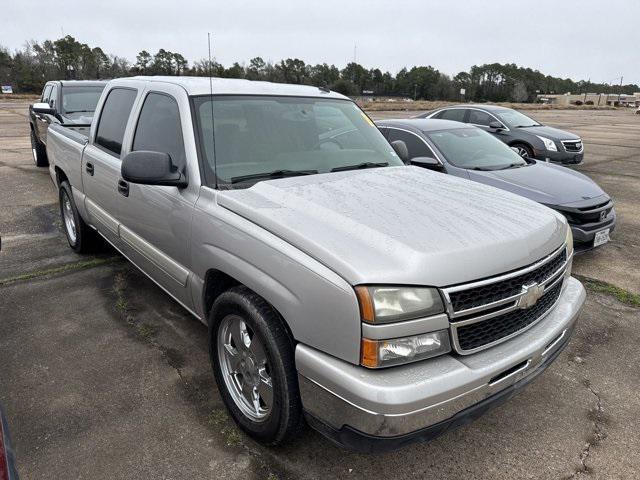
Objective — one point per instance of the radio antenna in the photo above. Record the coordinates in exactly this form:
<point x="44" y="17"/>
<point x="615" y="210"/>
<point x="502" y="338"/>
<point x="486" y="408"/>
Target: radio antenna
<point x="213" y="137"/>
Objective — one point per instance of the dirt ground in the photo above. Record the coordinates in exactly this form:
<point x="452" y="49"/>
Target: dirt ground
<point x="102" y="376"/>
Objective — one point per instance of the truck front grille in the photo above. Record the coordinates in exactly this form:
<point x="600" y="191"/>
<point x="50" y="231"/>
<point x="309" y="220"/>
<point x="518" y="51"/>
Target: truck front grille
<point x="484" y="333"/>
<point x="490" y="311"/>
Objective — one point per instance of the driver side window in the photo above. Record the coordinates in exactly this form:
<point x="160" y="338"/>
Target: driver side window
<point x="159" y="128"/>
<point x="416" y="146"/>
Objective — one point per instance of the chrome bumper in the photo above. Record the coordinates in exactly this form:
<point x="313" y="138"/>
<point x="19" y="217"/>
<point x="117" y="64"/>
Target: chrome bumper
<point x="399" y="400"/>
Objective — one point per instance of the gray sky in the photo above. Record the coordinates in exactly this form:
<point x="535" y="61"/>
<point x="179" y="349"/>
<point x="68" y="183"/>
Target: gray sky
<point x="568" y="38"/>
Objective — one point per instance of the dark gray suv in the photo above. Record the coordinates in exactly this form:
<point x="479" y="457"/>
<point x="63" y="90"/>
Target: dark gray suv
<point x="531" y="138"/>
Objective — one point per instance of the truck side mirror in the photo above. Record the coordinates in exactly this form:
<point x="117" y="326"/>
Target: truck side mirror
<point x="496" y="125"/>
<point x="151" y="168"/>
<point x="401" y="149"/>
<point x="43" y="109"/>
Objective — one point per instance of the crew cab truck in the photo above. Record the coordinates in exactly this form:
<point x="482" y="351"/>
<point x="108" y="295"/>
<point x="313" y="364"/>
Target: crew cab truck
<point x="384" y="303"/>
<point x="70" y="103"/>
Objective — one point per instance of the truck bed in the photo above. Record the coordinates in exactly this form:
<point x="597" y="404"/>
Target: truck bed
<point x="64" y="149"/>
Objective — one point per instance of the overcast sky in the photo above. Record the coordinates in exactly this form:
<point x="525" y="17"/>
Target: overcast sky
<point x="568" y="38"/>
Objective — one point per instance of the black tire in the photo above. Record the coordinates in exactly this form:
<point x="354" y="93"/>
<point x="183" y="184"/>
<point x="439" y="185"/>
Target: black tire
<point x="39" y="151"/>
<point x="524" y="150"/>
<point x="284" y="420"/>
<point x="84" y="239"/>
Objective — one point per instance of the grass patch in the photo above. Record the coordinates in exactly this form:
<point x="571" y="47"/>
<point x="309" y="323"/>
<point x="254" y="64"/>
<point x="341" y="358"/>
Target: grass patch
<point x="218" y="417"/>
<point x="622" y="295"/>
<point x="67" y="267"/>
<point x="232" y="436"/>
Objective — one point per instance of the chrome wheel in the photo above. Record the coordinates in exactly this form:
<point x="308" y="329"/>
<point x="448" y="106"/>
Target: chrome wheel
<point x="69" y="218"/>
<point x="245" y="368"/>
<point x="35" y="156"/>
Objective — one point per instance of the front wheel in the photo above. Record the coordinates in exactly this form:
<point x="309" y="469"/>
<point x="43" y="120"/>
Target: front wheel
<point x="524" y="151"/>
<point x="38" y="151"/>
<point x="252" y="356"/>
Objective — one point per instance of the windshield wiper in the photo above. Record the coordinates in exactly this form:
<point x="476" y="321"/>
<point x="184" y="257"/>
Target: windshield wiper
<point x="483" y="169"/>
<point x="273" y="174"/>
<point x="359" y="166"/>
<point x="513" y="165"/>
<point x="527" y="126"/>
<point x="79" y="111"/>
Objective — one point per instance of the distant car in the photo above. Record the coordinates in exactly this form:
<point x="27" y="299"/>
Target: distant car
<point x="70" y="103"/>
<point x="531" y="138"/>
<point x="7" y="459"/>
<point x="469" y="152"/>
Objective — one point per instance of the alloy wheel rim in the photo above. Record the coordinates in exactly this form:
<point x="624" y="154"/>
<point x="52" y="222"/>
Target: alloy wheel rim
<point x="69" y="219"/>
<point x="245" y="368"/>
<point x="523" y="152"/>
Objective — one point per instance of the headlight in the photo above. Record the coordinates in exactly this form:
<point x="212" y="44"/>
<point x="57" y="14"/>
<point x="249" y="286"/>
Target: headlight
<point x="569" y="241"/>
<point x="548" y="143"/>
<point x="392" y="304"/>
<point x="385" y="353"/>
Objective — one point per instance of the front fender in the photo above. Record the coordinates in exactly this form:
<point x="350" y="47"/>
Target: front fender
<point x="319" y="306"/>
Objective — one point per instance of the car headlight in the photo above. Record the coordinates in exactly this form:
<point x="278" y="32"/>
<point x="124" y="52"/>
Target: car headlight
<point x="384" y="304"/>
<point x="548" y="143"/>
<point x="395" y="351"/>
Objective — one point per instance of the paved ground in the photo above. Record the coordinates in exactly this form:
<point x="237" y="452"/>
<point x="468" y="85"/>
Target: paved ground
<point x="103" y="377"/>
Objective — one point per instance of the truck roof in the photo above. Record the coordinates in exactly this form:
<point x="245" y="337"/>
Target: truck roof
<point x="234" y="86"/>
<point x="80" y="83"/>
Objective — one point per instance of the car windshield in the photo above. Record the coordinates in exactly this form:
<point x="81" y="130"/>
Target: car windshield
<point x="80" y="100"/>
<point x="255" y="138"/>
<point x="515" y="119"/>
<point x="475" y="149"/>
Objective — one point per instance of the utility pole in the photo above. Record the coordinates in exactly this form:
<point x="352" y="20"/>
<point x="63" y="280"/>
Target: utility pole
<point x="415" y="91"/>
<point x="620" y="91"/>
<point x="586" y="90"/>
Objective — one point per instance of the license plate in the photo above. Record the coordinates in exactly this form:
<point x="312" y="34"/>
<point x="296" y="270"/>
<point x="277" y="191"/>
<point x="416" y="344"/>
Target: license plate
<point x="601" y="237"/>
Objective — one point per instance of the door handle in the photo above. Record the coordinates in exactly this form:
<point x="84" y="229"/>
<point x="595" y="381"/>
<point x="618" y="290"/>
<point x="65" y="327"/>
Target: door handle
<point x="123" y="188"/>
<point x="89" y="168"/>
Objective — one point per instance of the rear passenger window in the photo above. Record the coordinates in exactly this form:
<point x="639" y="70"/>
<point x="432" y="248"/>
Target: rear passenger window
<point x="113" y="119"/>
<point x="478" y="117"/>
<point x="159" y="128"/>
<point x="455" y="114"/>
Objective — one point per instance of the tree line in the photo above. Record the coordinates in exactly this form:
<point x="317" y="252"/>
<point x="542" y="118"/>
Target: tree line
<point x="29" y="68"/>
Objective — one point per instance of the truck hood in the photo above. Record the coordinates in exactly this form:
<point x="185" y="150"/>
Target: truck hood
<point x="542" y="182"/>
<point x="402" y="225"/>
<point x="550" y="132"/>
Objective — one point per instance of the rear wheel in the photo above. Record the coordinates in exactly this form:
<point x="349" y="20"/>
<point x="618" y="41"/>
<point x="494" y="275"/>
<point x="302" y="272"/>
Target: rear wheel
<point x="524" y="151"/>
<point x="252" y="356"/>
<point x="81" y="237"/>
<point x="38" y="151"/>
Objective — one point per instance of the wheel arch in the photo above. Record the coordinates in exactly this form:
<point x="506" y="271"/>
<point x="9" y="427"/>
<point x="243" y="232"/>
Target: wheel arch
<point x="216" y="282"/>
<point x="60" y="176"/>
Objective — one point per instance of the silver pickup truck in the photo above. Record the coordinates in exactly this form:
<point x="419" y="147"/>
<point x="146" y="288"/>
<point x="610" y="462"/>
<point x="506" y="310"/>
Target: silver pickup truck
<point x="382" y="302"/>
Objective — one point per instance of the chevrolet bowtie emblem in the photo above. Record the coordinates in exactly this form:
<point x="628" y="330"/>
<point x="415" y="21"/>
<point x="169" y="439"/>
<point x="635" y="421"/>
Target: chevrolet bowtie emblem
<point x="531" y="292"/>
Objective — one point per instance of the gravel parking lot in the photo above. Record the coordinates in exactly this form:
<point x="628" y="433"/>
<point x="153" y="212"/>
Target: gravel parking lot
<point x="103" y="376"/>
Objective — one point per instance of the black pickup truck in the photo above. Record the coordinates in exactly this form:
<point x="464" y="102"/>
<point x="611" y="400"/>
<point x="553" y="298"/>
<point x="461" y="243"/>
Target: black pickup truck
<point x="70" y="103"/>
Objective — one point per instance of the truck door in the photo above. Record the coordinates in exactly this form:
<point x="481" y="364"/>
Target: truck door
<point x="101" y="163"/>
<point x="156" y="222"/>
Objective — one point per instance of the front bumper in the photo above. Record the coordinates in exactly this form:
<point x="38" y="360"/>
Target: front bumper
<point x="376" y="410"/>
<point x="583" y="235"/>
<point x="561" y="156"/>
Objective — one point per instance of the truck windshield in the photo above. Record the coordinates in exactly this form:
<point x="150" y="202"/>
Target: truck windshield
<point x="254" y="138"/>
<point x="80" y="100"/>
<point x="475" y="149"/>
